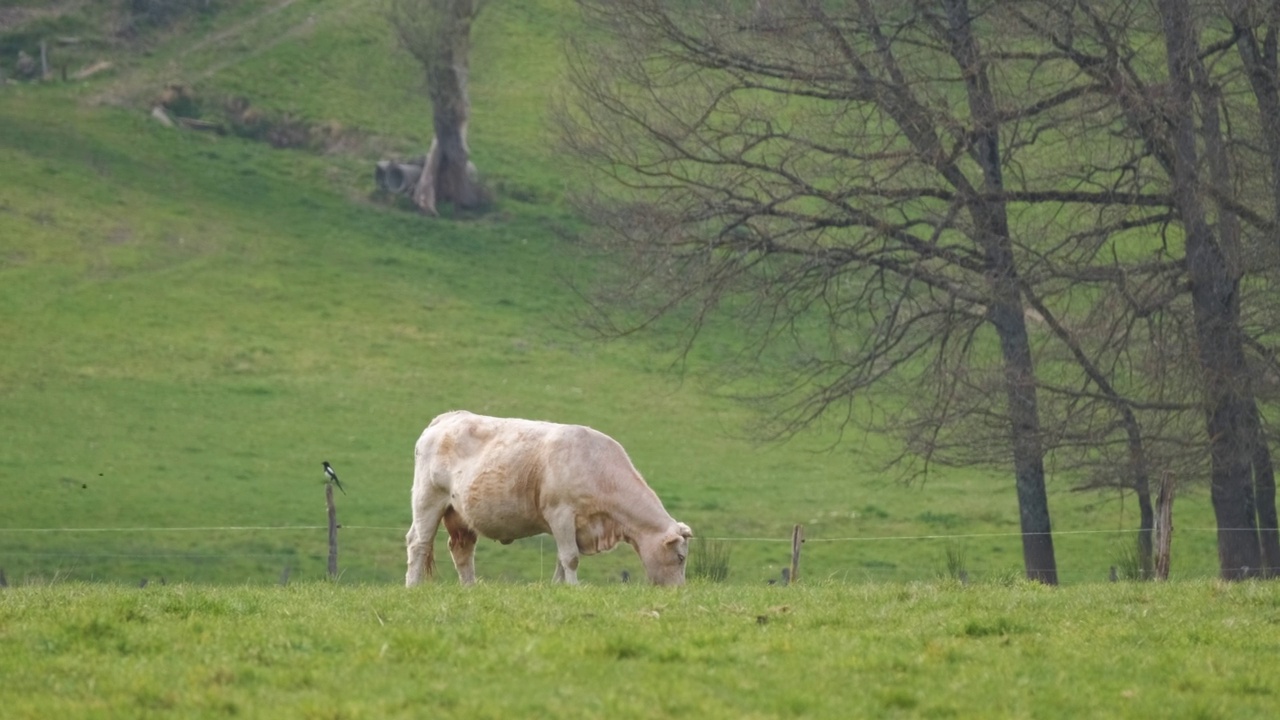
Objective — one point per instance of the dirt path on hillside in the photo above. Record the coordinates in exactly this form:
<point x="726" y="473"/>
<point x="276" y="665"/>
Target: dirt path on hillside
<point x="11" y="17"/>
<point x="237" y="43"/>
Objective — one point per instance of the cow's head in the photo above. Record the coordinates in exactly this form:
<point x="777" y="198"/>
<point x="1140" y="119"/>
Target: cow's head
<point x="664" y="555"/>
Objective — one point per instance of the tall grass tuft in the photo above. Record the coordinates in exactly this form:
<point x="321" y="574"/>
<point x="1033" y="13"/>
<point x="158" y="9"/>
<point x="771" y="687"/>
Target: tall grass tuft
<point x="709" y="560"/>
<point x="955" y="568"/>
<point x="1128" y="563"/>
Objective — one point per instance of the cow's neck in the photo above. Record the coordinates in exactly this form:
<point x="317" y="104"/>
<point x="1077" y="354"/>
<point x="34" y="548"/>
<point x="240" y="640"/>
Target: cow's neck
<point x="641" y="518"/>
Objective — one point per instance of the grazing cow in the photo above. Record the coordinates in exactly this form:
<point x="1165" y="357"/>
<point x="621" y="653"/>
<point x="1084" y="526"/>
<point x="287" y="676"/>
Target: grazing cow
<point x="507" y="479"/>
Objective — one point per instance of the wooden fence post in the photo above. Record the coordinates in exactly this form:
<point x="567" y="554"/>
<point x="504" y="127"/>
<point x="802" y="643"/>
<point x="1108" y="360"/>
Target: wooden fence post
<point x="333" y="531"/>
<point x="797" y="539"/>
<point x="1164" y="526"/>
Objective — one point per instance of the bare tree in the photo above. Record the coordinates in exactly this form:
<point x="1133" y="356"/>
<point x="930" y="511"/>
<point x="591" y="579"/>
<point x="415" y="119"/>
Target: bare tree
<point x="438" y="34"/>
<point x="838" y="185"/>
<point x="1185" y="116"/>
<point x="921" y="197"/>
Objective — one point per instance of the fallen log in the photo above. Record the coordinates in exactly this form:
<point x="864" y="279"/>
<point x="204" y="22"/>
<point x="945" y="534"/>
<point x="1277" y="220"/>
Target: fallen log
<point x="161" y="116"/>
<point x="91" y="70"/>
<point x="202" y="125"/>
<point x="396" y="177"/>
<point x="402" y="177"/>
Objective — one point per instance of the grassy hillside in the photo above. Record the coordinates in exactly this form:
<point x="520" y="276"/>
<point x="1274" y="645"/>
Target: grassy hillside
<point x="192" y="322"/>
<point x="1173" y="650"/>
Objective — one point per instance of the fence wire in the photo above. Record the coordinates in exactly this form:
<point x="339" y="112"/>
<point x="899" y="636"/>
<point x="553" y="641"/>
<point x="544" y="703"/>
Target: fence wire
<point x="366" y="558"/>
<point x="403" y="528"/>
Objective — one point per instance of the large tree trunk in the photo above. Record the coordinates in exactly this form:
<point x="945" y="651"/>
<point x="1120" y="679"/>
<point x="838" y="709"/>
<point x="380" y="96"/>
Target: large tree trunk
<point x="1028" y="454"/>
<point x="1256" y="44"/>
<point x="448" y="174"/>
<point x="1229" y="404"/>
<point x="1005" y="311"/>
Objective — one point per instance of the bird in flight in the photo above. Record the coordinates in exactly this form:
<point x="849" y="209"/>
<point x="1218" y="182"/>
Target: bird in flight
<point x="333" y="476"/>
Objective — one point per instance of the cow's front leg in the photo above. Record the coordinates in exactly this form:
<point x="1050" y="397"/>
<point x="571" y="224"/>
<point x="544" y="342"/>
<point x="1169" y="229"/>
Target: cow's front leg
<point x="565" y="531"/>
<point x="420" y="561"/>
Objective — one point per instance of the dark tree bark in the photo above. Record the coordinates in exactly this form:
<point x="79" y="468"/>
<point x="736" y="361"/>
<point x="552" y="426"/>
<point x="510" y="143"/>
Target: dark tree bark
<point x="1254" y="25"/>
<point x="1005" y="312"/>
<point x="1229" y="407"/>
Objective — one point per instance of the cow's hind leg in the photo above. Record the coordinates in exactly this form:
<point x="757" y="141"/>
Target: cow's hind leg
<point x="565" y="532"/>
<point x="420" y="540"/>
<point x="462" y="545"/>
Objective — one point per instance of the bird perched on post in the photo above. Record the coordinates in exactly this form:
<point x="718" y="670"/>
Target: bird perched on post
<point x="333" y="476"/>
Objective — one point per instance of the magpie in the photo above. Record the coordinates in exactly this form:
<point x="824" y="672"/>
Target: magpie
<point x="333" y="476"/>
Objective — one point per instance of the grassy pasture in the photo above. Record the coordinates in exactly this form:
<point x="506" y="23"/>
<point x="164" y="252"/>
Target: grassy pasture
<point x="191" y="323"/>
<point x="1178" y="650"/>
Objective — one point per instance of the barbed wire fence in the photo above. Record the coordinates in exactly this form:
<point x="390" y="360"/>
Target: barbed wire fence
<point x="374" y="553"/>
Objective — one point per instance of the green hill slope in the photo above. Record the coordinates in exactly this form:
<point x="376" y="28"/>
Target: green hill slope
<point x="192" y="322"/>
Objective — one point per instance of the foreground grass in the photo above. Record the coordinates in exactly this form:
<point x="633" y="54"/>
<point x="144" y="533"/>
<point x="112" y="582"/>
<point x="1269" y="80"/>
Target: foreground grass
<point x="1201" y="649"/>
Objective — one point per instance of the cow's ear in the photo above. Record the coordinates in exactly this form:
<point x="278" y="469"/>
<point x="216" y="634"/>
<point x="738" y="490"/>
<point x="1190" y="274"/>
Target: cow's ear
<point x="676" y="541"/>
<point x="684" y="530"/>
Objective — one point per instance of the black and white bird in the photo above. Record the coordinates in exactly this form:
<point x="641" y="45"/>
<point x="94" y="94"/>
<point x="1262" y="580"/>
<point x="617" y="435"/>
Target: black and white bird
<point x="333" y="476"/>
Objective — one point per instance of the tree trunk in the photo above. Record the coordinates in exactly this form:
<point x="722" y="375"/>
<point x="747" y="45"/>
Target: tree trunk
<point x="1228" y="229"/>
<point x="1259" y="59"/>
<point x="1228" y="399"/>
<point x="1028" y="456"/>
<point x="448" y="174"/>
<point x="1146" y="513"/>
<point x="1268" y="525"/>
<point x="1164" y="534"/>
<point x="1005" y="312"/>
<point x="1264" y="487"/>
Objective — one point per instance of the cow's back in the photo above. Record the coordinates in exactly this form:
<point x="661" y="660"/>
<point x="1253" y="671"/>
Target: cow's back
<point x="495" y="470"/>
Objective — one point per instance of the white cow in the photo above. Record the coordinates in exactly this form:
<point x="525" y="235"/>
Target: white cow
<point x="507" y="479"/>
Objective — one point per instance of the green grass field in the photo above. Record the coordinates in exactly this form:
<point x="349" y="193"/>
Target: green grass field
<point x="1176" y="650"/>
<point x="192" y="322"/>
